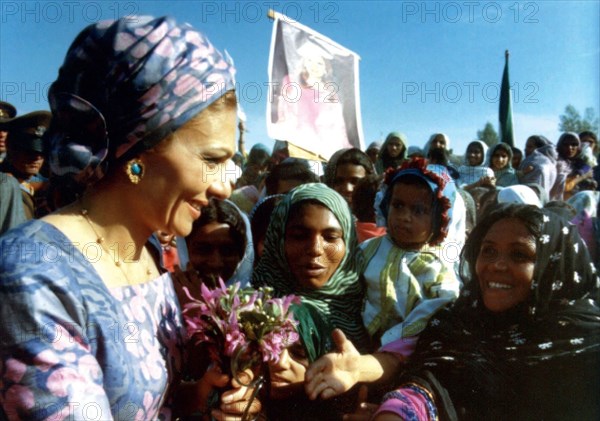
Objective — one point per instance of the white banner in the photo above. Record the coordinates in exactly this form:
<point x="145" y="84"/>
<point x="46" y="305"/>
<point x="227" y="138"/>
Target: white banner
<point x="314" y="99"/>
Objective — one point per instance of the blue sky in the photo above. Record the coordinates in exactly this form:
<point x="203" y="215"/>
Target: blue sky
<point x="425" y="66"/>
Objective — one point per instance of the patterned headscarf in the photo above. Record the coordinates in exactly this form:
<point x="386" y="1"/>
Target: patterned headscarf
<point x="340" y="299"/>
<point x="124" y="86"/>
<point x="563" y="270"/>
<point x="505" y="357"/>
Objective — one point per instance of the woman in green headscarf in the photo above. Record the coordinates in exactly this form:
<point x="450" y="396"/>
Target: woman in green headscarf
<point x="285" y="397"/>
<point x="392" y="152"/>
<point x="311" y="250"/>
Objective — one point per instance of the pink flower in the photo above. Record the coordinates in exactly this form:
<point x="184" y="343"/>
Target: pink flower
<point x="233" y="341"/>
<point x="246" y="324"/>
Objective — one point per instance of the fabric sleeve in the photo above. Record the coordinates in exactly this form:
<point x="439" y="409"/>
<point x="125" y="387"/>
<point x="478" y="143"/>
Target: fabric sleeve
<point x="401" y="348"/>
<point x="47" y="368"/>
<point x="12" y="212"/>
<point x="431" y="290"/>
<point x="411" y="402"/>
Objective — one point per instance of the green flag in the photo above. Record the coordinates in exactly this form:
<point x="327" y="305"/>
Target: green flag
<point x="505" y="114"/>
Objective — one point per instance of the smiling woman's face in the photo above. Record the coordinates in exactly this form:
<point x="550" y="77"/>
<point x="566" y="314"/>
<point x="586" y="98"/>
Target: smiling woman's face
<point x="475" y="154"/>
<point x="314" y="244"/>
<point x="505" y="265"/>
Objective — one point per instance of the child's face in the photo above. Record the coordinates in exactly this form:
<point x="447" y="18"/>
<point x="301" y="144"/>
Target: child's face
<point x="516" y="160"/>
<point x="410" y="215"/>
<point x="499" y="159"/>
<point x="474" y="155"/>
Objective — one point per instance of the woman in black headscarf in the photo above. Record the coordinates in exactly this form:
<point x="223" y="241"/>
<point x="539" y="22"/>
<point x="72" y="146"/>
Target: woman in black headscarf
<point x="523" y="341"/>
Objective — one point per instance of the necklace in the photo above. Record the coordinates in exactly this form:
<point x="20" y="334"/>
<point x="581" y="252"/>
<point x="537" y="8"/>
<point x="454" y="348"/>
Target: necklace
<point x="100" y="241"/>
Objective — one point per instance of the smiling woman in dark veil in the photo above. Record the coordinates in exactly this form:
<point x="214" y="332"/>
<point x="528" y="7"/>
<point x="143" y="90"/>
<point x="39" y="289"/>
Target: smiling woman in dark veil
<point x="523" y="341"/>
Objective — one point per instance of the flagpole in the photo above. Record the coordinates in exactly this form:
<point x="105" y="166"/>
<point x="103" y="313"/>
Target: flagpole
<point x="505" y="106"/>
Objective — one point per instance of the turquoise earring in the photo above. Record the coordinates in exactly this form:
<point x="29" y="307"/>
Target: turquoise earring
<point x="135" y="170"/>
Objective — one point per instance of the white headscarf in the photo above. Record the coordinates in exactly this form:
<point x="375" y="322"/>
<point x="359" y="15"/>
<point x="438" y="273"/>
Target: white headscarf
<point x="469" y="174"/>
<point x="519" y="194"/>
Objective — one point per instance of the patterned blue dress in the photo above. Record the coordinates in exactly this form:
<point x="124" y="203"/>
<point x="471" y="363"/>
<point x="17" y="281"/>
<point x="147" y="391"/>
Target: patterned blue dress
<point x="71" y="348"/>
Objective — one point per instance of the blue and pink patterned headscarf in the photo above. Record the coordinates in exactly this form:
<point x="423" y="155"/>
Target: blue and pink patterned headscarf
<point x="124" y="86"/>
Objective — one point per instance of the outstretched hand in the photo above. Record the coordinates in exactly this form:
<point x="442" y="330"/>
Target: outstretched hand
<point x="334" y="373"/>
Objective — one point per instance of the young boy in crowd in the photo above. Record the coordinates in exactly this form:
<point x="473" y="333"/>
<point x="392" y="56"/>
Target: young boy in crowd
<point x="407" y="281"/>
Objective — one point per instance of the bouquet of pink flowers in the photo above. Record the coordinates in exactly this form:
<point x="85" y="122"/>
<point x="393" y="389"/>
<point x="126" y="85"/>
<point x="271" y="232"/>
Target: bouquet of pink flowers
<point x="244" y="327"/>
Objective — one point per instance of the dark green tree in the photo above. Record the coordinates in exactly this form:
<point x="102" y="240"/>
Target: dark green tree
<point x="571" y="120"/>
<point x="488" y="134"/>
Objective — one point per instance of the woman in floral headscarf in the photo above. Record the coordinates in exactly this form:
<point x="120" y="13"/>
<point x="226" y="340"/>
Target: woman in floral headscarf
<point x="523" y="341"/>
<point x="144" y="119"/>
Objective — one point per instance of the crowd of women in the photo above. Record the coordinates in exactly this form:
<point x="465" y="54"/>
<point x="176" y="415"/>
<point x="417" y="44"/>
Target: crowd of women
<point x="392" y="325"/>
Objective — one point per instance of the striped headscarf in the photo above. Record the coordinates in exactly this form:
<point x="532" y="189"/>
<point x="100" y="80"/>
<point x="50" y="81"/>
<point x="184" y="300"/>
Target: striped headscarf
<point x="127" y="84"/>
<point x="340" y="299"/>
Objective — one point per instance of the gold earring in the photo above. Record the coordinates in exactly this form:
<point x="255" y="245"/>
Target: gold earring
<point x="135" y="170"/>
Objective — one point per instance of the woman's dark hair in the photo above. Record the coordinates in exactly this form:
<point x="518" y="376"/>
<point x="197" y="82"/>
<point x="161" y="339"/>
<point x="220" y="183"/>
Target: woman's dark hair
<point x="260" y="218"/>
<point x="363" y="197"/>
<point x="564" y="137"/>
<point x="225" y="213"/>
<point x="487" y="202"/>
<point x="258" y="156"/>
<point x="588" y="133"/>
<point x="290" y="169"/>
<point x="355" y="156"/>
<point x="531" y="216"/>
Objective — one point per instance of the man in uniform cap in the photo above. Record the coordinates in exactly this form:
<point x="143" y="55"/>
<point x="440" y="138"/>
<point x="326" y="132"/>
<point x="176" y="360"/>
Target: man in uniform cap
<point x="7" y="111"/>
<point x="24" y="160"/>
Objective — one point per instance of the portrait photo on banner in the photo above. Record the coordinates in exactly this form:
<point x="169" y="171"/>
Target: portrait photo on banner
<point x="314" y="96"/>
